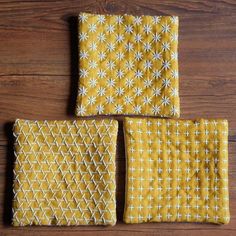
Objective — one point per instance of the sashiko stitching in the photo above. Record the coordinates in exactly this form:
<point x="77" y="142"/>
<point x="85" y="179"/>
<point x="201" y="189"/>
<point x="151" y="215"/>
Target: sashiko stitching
<point x="128" y="65"/>
<point x="177" y="170"/>
<point x="64" y="172"/>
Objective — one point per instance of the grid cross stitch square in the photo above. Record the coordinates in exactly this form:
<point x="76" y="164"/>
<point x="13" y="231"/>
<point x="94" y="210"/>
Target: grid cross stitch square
<point x="177" y="170"/>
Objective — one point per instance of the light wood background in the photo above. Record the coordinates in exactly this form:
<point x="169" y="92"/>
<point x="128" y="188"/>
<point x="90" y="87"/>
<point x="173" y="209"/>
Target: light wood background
<point x="38" y="80"/>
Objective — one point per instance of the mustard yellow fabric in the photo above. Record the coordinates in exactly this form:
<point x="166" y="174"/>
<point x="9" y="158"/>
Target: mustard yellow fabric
<point x="64" y="172"/>
<point x="177" y="170"/>
<point x="128" y="65"/>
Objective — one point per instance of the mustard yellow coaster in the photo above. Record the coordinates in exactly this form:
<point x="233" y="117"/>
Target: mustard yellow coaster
<point x="177" y="170"/>
<point x="128" y="65"/>
<point x="64" y="172"/>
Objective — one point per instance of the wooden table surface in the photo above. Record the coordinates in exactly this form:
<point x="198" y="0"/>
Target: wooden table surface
<point x="38" y="80"/>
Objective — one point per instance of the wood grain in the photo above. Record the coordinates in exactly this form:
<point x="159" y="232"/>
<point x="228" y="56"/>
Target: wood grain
<point x="38" y="80"/>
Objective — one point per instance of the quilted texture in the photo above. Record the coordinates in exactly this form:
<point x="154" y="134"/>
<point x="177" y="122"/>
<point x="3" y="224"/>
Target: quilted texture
<point x="128" y="65"/>
<point x="176" y="170"/>
<point x="64" y="172"/>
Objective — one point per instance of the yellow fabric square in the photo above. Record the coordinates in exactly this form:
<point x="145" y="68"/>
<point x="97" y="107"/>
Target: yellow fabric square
<point x="64" y="172"/>
<point x="128" y="65"/>
<point x="177" y="170"/>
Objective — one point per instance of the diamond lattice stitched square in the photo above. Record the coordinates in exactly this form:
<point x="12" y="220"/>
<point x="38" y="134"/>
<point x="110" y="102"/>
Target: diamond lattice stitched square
<point x="176" y="170"/>
<point x="64" y="172"/>
<point x="128" y="65"/>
